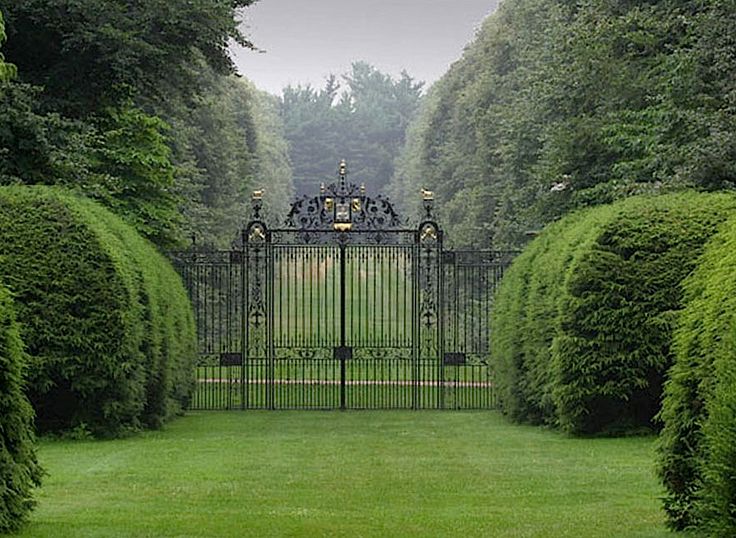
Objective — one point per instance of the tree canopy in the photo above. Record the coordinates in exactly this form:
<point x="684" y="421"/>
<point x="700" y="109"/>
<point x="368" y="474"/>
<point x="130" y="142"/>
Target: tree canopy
<point x="135" y="104"/>
<point x="362" y="119"/>
<point x="91" y="54"/>
<point x="557" y="105"/>
<point x="7" y="71"/>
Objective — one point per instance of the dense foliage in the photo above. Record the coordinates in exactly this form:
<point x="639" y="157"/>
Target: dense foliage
<point x="7" y="71"/>
<point x="698" y="442"/>
<point x="559" y="105"/>
<point x="19" y="470"/>
<point x="106" y="321"/>
<point x="92" y="54"/>
<point x="226" y="146"/>
<point x="584" y="317"/>
<point x="123" y="161"/>
<point x="135" y="106"/>
<point x="364" y="122"/>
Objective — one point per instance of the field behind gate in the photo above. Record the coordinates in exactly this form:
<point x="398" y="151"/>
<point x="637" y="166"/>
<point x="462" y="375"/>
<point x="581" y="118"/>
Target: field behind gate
<point x="348" y="474"/>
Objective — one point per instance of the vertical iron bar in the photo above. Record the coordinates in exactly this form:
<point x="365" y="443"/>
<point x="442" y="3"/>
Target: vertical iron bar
<point x="416" y="344"/>
<point x="244" y="334"/>
<point x="342" y="326"/>
<point x="270" y="350"/>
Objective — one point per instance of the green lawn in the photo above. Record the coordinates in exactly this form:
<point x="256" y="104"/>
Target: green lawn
<point x="351" y="474"/>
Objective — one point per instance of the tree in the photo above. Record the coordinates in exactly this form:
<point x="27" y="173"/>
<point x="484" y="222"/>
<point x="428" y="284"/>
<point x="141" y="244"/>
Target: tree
<point x="225" y="145"/>
<point x="41" y="148"/>
<point x="556" y="106"/>
<point x="311" y="125"/>
<point x="7" y="71"/>
<point x="273" y="165"/>
<point x="365" y="124"/>
<point x="92" y="54"/>
<point x="133" y="161"/>
<point x="138" y="110"/>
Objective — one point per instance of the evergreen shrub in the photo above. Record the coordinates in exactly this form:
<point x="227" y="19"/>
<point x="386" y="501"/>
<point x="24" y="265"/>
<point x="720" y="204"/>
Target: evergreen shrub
<point x="19" y="470"/>
<point x="527" y="304"/>
<point x="697" y="447"/>
<point x="106" y="321"/>
<point x="587" y="345"/>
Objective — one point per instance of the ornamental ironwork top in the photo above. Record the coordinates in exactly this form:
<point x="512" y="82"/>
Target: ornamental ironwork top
<point x="343" y="206"/>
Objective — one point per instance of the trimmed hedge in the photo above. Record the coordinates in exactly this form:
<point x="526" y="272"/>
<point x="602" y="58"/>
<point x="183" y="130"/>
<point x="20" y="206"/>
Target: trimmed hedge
<point x="104" y="316"/>
<point x="698" y="443"/>
<point x="19" y="470"/>
<point x="527" y="304"/>
<point x="583" y="319"/>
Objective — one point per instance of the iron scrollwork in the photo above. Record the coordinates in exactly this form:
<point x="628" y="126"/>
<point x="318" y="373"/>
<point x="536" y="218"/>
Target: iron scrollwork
<point x="256" y="266"/>
<point x="340" y="208"/>
<point x="429" y="238"/>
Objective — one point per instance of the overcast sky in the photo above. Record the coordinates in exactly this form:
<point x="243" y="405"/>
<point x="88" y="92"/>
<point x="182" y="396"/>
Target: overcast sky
<point x="306" y="40"/>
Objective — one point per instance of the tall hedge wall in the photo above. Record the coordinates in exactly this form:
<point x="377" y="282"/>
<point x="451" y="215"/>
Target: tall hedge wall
<point x="105" y="319"/>
<point x="19" y="470"/>
<point x="583" y="319"/>
<point x="698" y="443"/>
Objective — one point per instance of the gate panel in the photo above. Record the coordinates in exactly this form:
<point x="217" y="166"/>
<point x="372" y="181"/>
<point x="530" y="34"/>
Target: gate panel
<point x="258" y="389"/>
<point x="379" y="297"/>
<point x="214" y="280"/>
<point x="306" y="320"/>
<point x="427" y="390"/>
<point x="393" y="294"/>
<point x="471" y="278"/>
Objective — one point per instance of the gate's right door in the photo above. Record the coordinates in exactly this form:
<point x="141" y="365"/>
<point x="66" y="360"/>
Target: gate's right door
<point x="379" y="298"/>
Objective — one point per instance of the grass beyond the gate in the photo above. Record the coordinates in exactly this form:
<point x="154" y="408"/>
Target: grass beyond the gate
<point x="348" y="474"/>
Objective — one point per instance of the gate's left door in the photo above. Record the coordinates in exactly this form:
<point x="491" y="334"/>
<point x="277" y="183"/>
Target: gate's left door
<point x="306" y="298"/>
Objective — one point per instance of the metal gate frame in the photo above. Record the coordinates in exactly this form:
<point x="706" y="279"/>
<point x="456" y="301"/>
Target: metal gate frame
<point x="237" y="293"/>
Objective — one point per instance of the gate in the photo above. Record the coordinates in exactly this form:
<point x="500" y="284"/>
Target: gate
<point x="343" y="308"/>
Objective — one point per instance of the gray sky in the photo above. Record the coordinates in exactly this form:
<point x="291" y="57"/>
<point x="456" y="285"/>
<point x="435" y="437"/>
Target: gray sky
<point x="306" y="40"/>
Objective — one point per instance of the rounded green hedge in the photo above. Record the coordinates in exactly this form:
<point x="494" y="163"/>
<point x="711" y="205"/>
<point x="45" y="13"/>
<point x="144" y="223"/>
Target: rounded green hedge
<point x="525" y="315"/>
<point x="19" y="470"/>
<point x="698" y="442"/>
<point x="582" y="323"/>
<point x="104" y="316"/>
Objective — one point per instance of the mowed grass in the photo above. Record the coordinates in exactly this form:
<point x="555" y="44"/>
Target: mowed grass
<point x="348" y="474"/>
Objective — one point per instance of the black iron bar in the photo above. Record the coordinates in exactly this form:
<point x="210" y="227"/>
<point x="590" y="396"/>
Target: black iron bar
<point x="243" y="328"/>
<point x="303" y="298"/>
<point x="342" y="326"/>
<point x="316" y="310"/>
<point x="310" y="306"/>
<point x="268" y="260"/>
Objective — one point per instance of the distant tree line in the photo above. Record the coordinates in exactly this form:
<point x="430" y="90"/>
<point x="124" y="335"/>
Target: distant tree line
<point x="136" y="105"/>
<point x="559" y="105"/>
<point x="361" y="118"/>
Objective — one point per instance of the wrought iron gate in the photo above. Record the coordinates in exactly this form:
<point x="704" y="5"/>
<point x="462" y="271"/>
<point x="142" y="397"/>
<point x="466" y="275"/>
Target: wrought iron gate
<point x="342" y="308"/>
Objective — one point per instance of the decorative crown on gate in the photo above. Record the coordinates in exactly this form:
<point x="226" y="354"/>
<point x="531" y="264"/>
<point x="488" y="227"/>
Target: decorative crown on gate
<point x="428" y="201"/>
<point x="256" y="202"/>
<point x="342" y="207"/>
